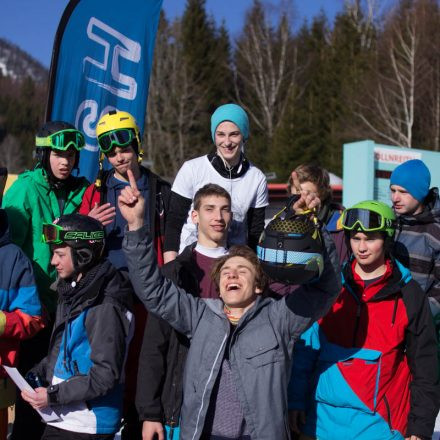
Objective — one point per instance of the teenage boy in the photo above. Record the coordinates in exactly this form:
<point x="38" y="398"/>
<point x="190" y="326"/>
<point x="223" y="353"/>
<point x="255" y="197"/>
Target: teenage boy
<point x="36" y="197"/>
<point x="163" y="355"/>
<point x="368" y="369"/>
<point x="228" y="167"/>
<point x="119" y="141"/>
<point x="238" y="364"/>
<point x="418" y="226"/>
<point x="84" y="366"/>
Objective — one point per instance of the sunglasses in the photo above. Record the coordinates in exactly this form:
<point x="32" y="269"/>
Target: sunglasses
<point x="368" y="221"/>
<point x="55" y="234"/>
<point x="62" y="140"/>
<point x="121" y="137"/>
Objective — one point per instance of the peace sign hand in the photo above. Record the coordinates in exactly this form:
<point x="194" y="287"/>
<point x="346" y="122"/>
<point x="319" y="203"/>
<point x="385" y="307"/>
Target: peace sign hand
<point x="132" y="204"/>
<point x="308" y="200"/>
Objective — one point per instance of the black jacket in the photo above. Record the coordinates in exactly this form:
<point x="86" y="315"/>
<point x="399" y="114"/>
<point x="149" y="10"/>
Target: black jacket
<point x="87" y="350"/>
<point x="163" y="353"/>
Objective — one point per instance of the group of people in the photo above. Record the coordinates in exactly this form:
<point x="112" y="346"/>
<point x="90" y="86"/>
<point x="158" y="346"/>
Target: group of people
<point x="130" y="303"/>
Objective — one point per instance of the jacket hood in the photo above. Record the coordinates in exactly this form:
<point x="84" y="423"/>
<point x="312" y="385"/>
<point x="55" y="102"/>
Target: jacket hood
<point x="116" y="285"/>
<point x="393" y="280"/>
<point x="430" y="214"/>
<point x="4" y="228"/>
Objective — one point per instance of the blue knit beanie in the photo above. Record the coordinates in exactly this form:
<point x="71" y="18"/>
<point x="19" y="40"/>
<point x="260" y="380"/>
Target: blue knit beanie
<point x="414" y="176"/>
<point x="233" y="113"/>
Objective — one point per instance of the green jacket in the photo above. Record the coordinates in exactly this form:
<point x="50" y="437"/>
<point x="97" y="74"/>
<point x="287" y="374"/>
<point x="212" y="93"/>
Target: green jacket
<point x="30" y="202"/>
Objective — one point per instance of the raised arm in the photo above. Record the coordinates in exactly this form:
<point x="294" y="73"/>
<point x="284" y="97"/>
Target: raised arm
<point x="158" y="294"/>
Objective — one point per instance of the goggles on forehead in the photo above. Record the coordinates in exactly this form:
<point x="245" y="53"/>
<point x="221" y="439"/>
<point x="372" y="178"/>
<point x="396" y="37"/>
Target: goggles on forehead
<point x="121" y="137"/>
<point x="364" y="219"/>
<point x="62" y="140"/>
<point x="55" y="234"/>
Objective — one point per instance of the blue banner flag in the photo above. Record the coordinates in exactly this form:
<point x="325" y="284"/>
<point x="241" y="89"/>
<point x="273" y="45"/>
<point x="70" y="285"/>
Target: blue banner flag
<point x="101" y="61"/>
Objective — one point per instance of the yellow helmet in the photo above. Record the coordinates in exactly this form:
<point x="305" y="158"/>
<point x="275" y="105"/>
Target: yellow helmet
<point x="115" y="120"/>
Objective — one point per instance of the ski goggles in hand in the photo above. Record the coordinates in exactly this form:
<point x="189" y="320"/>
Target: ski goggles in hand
<point x="62" y="140"/>
<point x="368" y="221"/>
<point x="121" y="137"/>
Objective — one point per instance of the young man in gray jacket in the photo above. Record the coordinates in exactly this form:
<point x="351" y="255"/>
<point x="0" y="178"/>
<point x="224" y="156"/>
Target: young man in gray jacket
<point x="238" y="365"/>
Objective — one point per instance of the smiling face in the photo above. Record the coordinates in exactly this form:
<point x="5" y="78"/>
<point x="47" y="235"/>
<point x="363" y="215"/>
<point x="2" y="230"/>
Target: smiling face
<point x="122" y="160"/>
<point x="368" y="248"/>
<point x="62" y="260"/>
<point x="237" y="283"/>
<point x="228" y="140"/>
<point x="212" y="219"/>
<point x="62" y="162"/>
<point x="404" y="202"/>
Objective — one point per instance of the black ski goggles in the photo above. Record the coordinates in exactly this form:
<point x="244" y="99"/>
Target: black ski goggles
<point x="55" y="234"/>
<point x="364" y="219"/>
<point x="121" y="137"/>
<point x="62" y="140"/>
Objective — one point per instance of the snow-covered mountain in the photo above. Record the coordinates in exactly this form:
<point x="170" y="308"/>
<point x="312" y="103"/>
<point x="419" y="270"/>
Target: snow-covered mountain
<point x="18" y="65"/>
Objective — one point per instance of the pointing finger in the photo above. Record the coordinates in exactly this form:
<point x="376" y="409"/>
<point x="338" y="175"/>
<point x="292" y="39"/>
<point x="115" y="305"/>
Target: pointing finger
<point x="132" y="181"/>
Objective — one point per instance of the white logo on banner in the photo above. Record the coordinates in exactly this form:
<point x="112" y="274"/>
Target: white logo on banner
<point x="129" y="50"/>
<point x="88" y="114"/>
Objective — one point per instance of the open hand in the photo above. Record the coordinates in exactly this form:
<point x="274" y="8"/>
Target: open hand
<point x="104" y="213"/>
<point x="132" y="204"/>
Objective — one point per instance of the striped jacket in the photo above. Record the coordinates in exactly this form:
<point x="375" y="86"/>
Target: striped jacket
<point x="418" y="247"/>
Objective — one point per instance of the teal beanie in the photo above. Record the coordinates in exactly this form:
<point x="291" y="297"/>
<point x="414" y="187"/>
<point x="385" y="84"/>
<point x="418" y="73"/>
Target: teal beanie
<point x="414" y="176"/>
<point x="233" y="113"/>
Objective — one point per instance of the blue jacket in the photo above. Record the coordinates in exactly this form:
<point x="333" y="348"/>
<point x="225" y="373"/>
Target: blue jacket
<point x="20" y="308"/>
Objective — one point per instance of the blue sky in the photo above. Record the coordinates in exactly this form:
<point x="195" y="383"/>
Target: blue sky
<point x="31" y="24"/>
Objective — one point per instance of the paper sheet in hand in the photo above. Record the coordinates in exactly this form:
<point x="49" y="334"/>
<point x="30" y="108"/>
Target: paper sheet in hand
<point x="47" y="414"/>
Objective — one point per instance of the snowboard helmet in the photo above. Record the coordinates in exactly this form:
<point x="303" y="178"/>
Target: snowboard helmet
<point x="369" y="216"/>
<point x="290" y="248"/>
<point x="83" y="234"/>
<point x="57" y="135"/>
<point x="118" y="129"/>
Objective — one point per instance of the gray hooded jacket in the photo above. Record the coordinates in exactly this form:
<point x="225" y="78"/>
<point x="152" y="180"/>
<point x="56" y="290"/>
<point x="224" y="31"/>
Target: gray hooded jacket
<point x="261" y="345"/>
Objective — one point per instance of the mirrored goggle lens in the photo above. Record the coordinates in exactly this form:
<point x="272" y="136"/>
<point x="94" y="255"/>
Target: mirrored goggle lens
<point x="50" y="233"/>
<point x="368" y="220"/>
<point x="119" y="138"/>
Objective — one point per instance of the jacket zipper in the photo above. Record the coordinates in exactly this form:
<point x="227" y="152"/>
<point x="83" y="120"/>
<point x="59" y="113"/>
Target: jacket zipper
<point x="207" y="382"/>
<point x="388" y="412"/>
<point x="356" y="326"/>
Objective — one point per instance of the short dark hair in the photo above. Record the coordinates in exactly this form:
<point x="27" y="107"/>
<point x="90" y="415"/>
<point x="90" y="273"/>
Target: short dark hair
<point x="247" y="253"/>
<point x="315" y="174"/>
<point x="210" y="189"/>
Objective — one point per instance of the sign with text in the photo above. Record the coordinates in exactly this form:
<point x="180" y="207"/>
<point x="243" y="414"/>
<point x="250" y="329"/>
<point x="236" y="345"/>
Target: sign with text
<point x="368" y="166"/>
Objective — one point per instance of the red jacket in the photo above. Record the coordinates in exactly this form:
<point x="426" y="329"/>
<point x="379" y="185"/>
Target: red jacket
<point x="375" y="358"/>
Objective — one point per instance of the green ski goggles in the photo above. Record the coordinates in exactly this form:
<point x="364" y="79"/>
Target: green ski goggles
<point x="365" y="220"/>
<point x="120" y="137"/>
<point x="62" y="140"/>
<point x="54" y="234"/>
